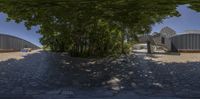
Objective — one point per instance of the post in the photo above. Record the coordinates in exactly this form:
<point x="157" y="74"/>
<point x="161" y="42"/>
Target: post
<point x="148" y="47"/>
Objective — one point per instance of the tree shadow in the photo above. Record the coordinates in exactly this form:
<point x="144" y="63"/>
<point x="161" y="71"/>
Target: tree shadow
<point x="45" y="70"/>
<point x="176" y="79"/>
<point x="89" y="73"/>
<point x="24" y="73"/>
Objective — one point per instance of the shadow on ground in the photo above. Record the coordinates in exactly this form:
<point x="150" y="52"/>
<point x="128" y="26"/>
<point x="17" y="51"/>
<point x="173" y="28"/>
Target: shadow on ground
<point x="44" y="71"/>
<point x="174" y="79"/>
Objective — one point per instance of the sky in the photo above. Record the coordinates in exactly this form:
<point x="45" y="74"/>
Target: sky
<point x="19" y="30"/>
<point x="189" y="20"/>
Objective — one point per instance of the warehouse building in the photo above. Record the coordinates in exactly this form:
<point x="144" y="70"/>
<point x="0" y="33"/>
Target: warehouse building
<point x="169" y="40"/>
<point x="188" y="41"/>
<point x="11" y="43"/>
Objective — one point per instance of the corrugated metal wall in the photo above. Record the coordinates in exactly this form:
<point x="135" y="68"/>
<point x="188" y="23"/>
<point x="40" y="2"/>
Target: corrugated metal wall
<point x="8" y="42"/>
<point x="186" y="42"/>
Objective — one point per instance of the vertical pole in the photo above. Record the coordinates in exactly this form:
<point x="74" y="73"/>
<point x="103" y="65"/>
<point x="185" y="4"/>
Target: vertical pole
<point x="148" y="47"/>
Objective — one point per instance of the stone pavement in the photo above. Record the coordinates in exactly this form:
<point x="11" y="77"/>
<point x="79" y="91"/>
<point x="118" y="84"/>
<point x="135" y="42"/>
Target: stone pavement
<point x="175" y="75"/>
<point x="45" y="75"/>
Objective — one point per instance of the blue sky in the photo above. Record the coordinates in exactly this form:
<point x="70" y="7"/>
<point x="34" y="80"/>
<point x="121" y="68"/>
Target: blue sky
<point x="190" y="20"/>
<point x="19" y="30"/>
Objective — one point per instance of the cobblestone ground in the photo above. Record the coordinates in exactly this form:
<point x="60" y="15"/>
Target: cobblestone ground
<point x="44" y="75"/>
<point x="170" y="74"/>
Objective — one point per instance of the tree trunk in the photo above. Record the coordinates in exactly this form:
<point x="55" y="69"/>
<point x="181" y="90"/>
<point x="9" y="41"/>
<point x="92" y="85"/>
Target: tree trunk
<point x="122" y="44"/>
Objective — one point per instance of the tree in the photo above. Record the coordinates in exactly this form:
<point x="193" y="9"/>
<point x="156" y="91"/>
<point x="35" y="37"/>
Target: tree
<point x="91" y="28"/>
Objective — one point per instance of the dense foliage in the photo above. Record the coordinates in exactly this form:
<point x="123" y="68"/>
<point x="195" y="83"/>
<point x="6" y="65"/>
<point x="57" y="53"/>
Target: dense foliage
<point x="91" y="27"/>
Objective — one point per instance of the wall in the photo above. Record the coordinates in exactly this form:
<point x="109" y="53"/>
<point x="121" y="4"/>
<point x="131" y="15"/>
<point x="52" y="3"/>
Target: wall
<point x="186" y="42"/>
<point x="10" y="43"/>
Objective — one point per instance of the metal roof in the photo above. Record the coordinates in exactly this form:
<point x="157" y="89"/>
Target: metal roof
<point x="18" y="38"/>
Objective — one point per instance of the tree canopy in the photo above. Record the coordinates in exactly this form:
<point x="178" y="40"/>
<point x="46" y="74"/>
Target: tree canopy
<point x="92" y="27"/>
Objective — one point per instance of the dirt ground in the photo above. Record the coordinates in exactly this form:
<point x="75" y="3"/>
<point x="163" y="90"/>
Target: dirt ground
<point x="176" y="57"/>
<point x="15" y="55"/>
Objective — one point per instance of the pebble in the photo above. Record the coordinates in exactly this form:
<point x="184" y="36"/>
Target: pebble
<point x="134" y="85"/>
<point x="158" y="85"/>
<point x="3" y="73"/>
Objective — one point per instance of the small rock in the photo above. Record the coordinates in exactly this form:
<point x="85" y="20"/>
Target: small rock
<point x="116" y="88"/>
<point x="3" y="73"/>
<point x="130" y="73"/>
<point x="92" y="62"/>
<point x="88" y="70"/>
<point x="134" y="85"/>
<point x="150" y="72"/>
<point x="114" y="83"/>
<point x="114" y="62"/>
<point x="158" y="85"/>
<point x="171" y="72"/>
<point x="114" y="80"/>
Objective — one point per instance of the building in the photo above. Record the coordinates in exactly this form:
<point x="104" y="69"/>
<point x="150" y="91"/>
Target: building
<point x="159" y="40"/>
<point x="163" y="38"/>
<point x="187" y="41"/>
<point x="169" y="40"/>
<point x="11" y="43"/>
